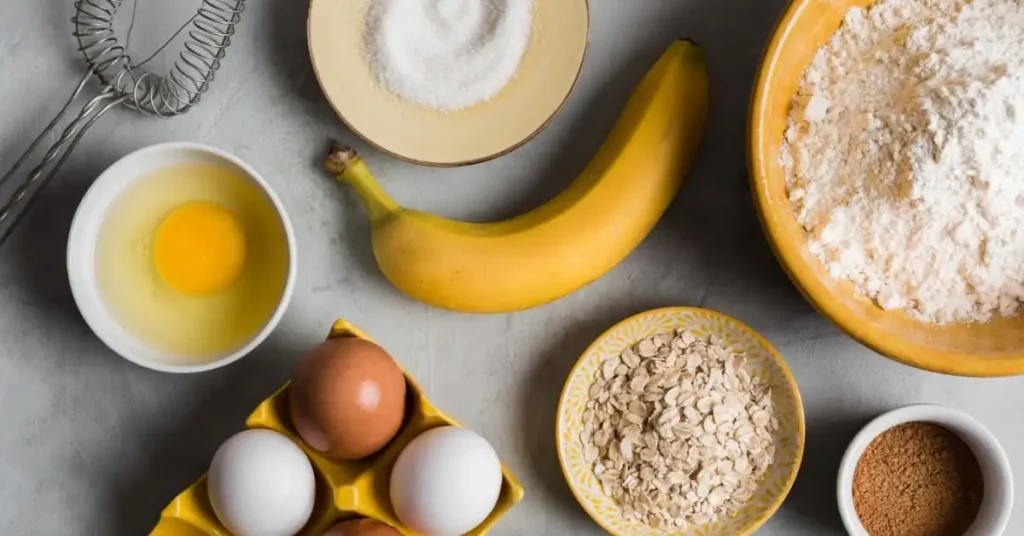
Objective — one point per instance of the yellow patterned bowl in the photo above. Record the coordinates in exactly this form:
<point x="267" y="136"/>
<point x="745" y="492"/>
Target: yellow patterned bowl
<point x="763" y="361"/>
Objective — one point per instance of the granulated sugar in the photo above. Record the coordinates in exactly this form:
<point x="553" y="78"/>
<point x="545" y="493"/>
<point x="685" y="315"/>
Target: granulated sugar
<point x="447" y="54"/>
<point x="905" y="156"/>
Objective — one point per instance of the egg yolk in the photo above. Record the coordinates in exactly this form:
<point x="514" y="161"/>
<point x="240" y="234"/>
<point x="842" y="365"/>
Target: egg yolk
<point x="199" y="248"/>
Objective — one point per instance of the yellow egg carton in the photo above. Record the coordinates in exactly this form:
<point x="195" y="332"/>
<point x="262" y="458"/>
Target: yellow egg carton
<point x="345" y="490"/>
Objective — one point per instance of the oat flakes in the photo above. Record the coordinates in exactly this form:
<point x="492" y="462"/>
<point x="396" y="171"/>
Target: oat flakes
<point x="677" y="431"/>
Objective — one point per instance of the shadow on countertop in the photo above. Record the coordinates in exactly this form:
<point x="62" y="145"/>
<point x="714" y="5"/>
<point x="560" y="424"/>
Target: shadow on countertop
<point x="813" y="496"/>
<point x="37" y="249"/>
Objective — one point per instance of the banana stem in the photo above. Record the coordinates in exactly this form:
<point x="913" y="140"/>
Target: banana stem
<point x="347" y="166"/>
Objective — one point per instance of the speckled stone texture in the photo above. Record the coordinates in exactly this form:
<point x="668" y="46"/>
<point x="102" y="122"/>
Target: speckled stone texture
<point x="93" y="445"/>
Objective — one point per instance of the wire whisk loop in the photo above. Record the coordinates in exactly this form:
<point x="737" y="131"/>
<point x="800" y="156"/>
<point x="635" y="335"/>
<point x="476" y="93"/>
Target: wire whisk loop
<point x="123" y="82"/>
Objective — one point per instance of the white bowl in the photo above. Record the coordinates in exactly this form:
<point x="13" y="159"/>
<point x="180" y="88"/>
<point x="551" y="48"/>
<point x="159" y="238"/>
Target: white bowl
<point x="997" y="503"/>
<point x="85" y="229"/>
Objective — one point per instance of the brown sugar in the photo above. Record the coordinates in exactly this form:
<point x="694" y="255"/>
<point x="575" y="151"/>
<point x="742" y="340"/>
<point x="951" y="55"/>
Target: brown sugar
<point x="917" y="479"/>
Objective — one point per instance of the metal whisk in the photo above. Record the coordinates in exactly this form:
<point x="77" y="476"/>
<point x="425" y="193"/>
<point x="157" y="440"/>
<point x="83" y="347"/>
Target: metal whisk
<point x="123" y="82"/>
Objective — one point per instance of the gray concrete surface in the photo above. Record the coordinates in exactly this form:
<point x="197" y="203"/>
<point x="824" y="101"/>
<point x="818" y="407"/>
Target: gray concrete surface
<point x="93" y="445"/>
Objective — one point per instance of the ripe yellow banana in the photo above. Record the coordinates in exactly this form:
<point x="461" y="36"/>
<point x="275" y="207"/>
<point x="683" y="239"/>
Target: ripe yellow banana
<point x="566" y="243"/>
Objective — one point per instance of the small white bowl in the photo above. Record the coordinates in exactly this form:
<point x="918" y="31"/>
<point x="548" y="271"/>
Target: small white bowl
<point x="85" y="229"/>
<point x="997" y="503"/>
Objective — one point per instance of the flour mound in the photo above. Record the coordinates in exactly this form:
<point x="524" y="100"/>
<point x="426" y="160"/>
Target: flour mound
<point x="904" y="156"/>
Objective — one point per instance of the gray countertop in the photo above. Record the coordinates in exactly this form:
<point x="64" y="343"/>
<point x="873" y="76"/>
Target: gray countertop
<point x="91" y="444"/>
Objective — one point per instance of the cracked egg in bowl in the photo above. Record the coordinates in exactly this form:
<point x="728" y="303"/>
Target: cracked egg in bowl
<point x="181" y="258"/>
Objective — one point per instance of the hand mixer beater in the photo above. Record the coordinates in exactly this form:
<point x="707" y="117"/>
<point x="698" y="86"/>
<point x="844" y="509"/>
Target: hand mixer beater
<point x="122" y="82"/>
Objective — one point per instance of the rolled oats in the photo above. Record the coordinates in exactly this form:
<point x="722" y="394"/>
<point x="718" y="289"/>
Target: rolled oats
<point x="677" y="431"/>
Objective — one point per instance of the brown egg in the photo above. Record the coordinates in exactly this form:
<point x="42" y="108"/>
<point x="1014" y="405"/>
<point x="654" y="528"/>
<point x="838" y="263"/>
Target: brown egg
<point x="347" y="398"/>
<point x="362" y="527"/>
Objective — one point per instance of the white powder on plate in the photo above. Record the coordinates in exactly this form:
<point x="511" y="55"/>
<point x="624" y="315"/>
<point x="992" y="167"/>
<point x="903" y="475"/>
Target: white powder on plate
<point x="904" y="156"/>
<point x="447" y="54"/>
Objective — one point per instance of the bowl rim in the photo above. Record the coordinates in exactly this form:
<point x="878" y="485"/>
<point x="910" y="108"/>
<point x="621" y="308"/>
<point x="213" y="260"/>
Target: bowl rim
<point x="906" y="352"/>
<point x="956" y="421"/>
<point x="772" y="351"/>
<point x="470" y="161"/>
<point x="96" y="200"/>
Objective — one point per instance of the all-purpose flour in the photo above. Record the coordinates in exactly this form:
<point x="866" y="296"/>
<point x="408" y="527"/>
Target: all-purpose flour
<point x="905" y="156"/>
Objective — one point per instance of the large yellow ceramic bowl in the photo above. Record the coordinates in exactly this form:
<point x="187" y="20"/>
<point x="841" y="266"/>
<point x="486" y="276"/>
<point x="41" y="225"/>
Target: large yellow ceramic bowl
<point x="763" y="362"/>
<point x="995" y="348"/>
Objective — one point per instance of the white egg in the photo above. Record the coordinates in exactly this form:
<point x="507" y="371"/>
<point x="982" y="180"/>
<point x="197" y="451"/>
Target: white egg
<point x="445" y="482"/>
<point x="261" y="484"/>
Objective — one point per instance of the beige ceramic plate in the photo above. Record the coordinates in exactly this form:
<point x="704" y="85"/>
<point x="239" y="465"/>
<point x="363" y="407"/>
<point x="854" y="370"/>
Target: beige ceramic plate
<point x="546" y="76"/>
<point x="764" y="363"/>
